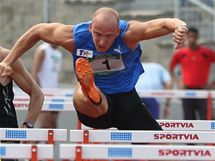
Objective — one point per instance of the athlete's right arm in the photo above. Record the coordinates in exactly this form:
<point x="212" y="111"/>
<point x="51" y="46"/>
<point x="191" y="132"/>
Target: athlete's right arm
<point x="54" y="33"/>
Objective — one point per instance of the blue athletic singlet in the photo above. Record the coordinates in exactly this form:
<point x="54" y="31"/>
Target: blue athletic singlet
<point x="115" y="71"/>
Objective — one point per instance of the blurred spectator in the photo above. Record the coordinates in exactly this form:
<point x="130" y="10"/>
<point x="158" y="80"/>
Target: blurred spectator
<point x="46" y="68"/>
<point x="195" y="61"/>
<point x="155" y="77"/>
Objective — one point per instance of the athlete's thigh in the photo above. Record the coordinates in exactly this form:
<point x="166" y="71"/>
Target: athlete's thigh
<point x="143" y="120"/>
<point x="153" y="106"/>
<point x="133" y="115"/>
<point x="102" y="122"/>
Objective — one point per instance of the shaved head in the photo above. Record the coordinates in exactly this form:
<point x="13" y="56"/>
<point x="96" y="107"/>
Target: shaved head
<point x="106" y="15"/>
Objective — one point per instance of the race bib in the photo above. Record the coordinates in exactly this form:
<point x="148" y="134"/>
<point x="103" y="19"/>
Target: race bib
<point x="107" y="63"/>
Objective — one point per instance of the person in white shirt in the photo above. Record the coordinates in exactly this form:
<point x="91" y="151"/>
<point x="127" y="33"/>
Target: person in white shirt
<point x="155" y="77"/>
<point x="45" y="71"/>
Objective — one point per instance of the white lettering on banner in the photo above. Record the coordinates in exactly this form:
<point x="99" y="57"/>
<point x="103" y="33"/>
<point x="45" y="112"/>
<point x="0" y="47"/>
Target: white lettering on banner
<point x="84" y="53"/>
<point x="176" y="125"/>
<point x="176" y="136"/>
<point x="180" y="152"/>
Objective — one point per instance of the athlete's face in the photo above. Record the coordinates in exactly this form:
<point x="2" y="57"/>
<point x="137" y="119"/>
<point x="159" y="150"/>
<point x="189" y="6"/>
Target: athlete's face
<point x="103" y="35"/>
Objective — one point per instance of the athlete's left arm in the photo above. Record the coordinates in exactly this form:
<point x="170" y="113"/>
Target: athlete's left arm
<point x="138" y="31"/>
<point x="24" y="81"/>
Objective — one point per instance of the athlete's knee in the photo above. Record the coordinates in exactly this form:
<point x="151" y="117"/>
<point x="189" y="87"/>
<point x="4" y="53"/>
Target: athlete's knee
<point x="89" y="109"/>
<point x="80" y="102"/>
<point x="78" y="96"/>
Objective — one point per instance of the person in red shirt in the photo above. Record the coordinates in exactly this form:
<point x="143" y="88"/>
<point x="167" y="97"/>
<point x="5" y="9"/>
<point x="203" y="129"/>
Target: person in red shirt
<point x="195" y="61"/>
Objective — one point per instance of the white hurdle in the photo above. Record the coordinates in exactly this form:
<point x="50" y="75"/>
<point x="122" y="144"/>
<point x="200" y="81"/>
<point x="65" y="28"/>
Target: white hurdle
<point x="26" y="151"/>
<point x="180" y="125"/>
<point x="137" y="152"/>
<point x="175" y="131"/>
<point x="67" y="95"/>
<point x="47" y="106"/>
<point x="68" y="92"/>
<point x="187" y="125"/>
<point x="61" y="99"/>
<point x="26" y="134"/>
<point x="115" y="136"/>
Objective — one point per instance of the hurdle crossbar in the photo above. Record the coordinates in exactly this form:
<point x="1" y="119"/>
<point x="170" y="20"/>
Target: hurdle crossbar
<point x="54" y="106"/>
<point x="180" y="125"/>
<point x="19" y="99"/>
<point x="26" y="151"/>
<point x="135" y="152"/>
<point x="187" y="125"/>
<point x="148" y="93"/>
<point x="115" y="136"/>
<point x="26" y="134"/>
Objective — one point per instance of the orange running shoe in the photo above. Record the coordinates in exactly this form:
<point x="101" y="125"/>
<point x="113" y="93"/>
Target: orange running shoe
<point x="85" y="77"/>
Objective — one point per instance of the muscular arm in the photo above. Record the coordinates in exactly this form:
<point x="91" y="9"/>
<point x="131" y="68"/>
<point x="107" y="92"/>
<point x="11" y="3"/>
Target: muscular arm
<point x="138" y="31"/>
<point x="54" y="33"/>
<point x="24" y="81"/>
<point x="29" y="86"/>
<point x="37" y="64"/>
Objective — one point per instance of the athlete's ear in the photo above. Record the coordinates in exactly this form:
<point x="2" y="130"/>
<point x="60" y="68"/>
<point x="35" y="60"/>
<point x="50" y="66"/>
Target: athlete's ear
<point x="90" y="27"/>
<point x="118" y="31"/>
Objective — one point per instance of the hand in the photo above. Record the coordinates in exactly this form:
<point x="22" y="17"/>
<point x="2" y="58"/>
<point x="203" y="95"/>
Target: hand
<point x="5" y="70"/>
<point x="4" y="80"/>
<point x="180" y="35"/>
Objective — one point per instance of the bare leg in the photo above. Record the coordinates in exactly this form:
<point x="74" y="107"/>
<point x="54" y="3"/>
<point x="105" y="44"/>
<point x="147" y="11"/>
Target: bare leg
<point x="85" y="106"/>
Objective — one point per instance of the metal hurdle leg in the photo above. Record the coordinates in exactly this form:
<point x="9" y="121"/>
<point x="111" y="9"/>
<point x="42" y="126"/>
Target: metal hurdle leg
<point x="50" y="136"/>
<point x="51" y="139"/>
<point x="34" y="153"/>
<point x="209" y="107"/>
<point x="78" y="153"/>
<point x="78" y="156"/>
